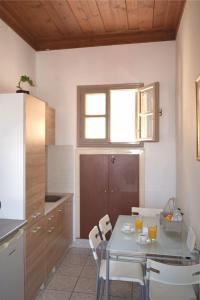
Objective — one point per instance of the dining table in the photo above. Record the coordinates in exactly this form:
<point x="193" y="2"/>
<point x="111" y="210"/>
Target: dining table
<point x="168" y="246"/>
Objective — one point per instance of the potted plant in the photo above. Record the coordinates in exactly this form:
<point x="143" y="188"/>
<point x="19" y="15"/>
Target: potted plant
<point x="27" y="79"/>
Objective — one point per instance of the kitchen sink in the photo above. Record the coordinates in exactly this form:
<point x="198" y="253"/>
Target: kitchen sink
<point x="52" y="198"/>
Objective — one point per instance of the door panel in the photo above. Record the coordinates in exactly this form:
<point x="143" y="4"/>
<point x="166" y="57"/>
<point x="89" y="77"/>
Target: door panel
<point x="123" y="184"/>
<point x="108" y="185"/>
<point x="93" y="191"/>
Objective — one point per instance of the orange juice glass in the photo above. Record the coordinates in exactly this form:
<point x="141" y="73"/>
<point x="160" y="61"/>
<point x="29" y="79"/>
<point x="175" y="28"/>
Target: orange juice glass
<point x="152" y="232"/>
<point x="138" y="224"/>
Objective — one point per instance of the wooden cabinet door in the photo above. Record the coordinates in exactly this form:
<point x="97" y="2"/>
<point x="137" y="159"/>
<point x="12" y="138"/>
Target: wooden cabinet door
<point x="35" y="158"/>
<point x="51" y="236"/>
<point x="50" y="126"/>
<point x="68" y="222"/>
<point x="35" y="257"/>
<point x="108" y="185"/>
<point x="93" y="191"/>
<point x="123" y="184"/>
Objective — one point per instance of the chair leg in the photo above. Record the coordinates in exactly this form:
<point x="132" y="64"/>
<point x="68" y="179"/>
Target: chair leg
<point x="143" y="292"/>
<point x="97" y="288"/>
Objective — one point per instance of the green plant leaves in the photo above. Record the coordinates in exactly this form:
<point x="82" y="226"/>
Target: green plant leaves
<point x="25" y="78"/>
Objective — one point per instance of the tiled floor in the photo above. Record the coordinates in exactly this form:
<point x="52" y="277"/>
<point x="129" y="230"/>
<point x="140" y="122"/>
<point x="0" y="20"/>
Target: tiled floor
<point x="75" y="280"/>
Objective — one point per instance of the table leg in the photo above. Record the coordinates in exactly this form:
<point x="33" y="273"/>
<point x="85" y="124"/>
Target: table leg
<point x="107" y="275"/>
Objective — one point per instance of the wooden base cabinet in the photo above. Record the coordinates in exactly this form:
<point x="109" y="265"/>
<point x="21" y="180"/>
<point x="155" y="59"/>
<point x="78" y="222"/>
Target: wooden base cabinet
<point x="35" y="255"/>
<point x="46" y="242"/>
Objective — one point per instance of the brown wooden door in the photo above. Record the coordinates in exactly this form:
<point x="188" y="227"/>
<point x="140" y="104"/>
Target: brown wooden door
<point x="93" y="191"/>
<point x="108" y="185"/>
<point x="123" y="184"/>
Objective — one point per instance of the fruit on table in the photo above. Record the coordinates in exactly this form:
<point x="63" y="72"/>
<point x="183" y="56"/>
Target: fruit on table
<point x="168" y="217"/>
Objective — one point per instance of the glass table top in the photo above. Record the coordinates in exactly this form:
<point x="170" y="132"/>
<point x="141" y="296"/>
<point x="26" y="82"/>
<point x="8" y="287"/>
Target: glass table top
<point x="166" y="244"/>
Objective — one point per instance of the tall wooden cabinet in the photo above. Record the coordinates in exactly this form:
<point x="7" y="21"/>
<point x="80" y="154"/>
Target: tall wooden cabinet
<point x="34" y="158"/>
<point x="50" y="125"/>
<point x="22" y="152"/>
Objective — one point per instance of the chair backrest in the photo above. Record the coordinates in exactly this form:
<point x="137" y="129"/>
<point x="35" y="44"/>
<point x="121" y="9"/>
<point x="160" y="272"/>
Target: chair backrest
<point x="146" y="212"/>
<point x="191" y="239"/>
<point x="94" y="241"/>
<point x="173" y="275"/>
<point x="105" y="226"/>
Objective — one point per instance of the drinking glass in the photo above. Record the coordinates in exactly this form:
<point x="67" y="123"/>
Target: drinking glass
<point x="152" y="232"/>
<point x="138" y="224"/>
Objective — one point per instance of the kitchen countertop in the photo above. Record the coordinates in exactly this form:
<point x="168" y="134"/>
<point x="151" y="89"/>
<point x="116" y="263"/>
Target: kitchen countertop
<point x="9" y="226"/>
<point x="49" y="206"/>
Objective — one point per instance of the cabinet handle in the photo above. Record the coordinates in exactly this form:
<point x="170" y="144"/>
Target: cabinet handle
<point x="52" y="216"/>
<point x="36" y="215"/>
<point x="36" y="229"/>
<point x="49" y="219"/>
<point x="51" y="229"/>
<point x="60" y="210"/>
<point x="105" y="191"/>
<point x="112" y="191"/>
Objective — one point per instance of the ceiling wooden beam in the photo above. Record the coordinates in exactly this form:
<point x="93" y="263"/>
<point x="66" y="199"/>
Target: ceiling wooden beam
<point x="104" y="40"/>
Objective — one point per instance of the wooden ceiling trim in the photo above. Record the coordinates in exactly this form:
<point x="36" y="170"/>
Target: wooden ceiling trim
<point x="87" y="15"/>
<point x="146" y="8"/>
<point x="16" y="26"/>
<point x="132" y="14"/>
<point x="114" y="15"/>
<point x="105" y="40"/>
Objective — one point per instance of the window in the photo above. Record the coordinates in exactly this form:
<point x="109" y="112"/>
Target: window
<point x="119" y="115"/>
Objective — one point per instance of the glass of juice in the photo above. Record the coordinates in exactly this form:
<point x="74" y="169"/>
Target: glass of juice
<point x="138" y="224"/>
<point x="152" y="232"/>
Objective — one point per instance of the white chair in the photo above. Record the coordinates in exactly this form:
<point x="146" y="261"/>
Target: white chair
<point x="105" y="226"/>
<point x="118" y="270"/>
<point x="146" y="212"/>
<point x="169" y="282"/>
<point x="191" y="239"/>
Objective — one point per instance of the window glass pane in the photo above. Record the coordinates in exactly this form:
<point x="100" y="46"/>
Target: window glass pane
<point x="95" y="104"/>
<point x="122" y="115"/>
<point x="95" y="128"/>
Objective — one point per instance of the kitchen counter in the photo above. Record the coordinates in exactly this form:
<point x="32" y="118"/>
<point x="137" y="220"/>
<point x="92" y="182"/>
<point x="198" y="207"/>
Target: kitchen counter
<point x="51" y="205"/>
<point x="9" y="226"/>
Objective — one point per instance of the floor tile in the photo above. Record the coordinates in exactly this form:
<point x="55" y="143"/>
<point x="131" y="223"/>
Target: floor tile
<point x="120" y="289"/>
<point x="62" y="283"/>
<point x="75" y="259"/>
<point x="85" y="285"/>
<point x="82" y="296"/>
<point x="54" y="295"/>
<point x="75" y="250"/>
<point x="68" y="269"/>
<point x="90" y="261"/>
<point x="88" y="271"/>
<point x="136" y="291"/>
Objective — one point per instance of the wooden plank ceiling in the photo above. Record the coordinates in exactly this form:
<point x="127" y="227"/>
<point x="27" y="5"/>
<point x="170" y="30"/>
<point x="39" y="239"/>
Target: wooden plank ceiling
<point x="61" y="24"/>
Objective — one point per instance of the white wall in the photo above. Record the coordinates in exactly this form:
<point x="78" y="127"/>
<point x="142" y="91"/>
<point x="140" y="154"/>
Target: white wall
<point x="188" y="68"/>
<point x="59" y="72"/>
<point x="16" y="58"/>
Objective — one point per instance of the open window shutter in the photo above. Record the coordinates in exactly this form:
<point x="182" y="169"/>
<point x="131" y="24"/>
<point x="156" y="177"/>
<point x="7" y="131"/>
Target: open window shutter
<point x="147" y="117"/>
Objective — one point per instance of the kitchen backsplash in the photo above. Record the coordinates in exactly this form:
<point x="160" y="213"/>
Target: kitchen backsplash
<point x="60" y="169"/>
